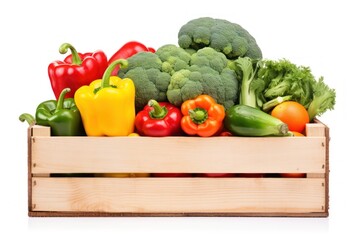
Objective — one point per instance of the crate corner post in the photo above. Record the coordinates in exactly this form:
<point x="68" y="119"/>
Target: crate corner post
<point x="33" y="132"/>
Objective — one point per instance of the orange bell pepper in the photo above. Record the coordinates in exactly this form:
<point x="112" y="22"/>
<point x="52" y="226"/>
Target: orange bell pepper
<point x="202" y="116"/>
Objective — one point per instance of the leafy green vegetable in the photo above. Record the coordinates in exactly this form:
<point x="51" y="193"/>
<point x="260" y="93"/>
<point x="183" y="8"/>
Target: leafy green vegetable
<point x="266" y="83"/>
<point x="323" y="99"/>
<point x="284" y="78"/>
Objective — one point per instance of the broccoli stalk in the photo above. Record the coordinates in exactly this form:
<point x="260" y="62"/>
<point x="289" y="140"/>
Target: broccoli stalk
<point x="323" y="99"/>
<point x="247" y="93"/>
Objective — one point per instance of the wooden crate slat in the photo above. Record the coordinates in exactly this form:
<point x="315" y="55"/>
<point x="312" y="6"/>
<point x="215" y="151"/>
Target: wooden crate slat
<point x="178" y="195"/>
<point x="178" y="154"/>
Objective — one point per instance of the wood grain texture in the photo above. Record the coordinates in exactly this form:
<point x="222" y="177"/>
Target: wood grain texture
<point x="306" y="197"/>
<point x="315" y="130"/>
<point x="40" y="131"/>
<point x="178" y="154"/>
<point x="178" y="195"/>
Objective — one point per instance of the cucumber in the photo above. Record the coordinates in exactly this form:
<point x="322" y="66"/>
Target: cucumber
<point x="243" y="120"/>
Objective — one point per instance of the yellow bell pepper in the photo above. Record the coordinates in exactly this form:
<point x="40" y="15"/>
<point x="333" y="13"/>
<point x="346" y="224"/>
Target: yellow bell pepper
<point x="107" y="105"/>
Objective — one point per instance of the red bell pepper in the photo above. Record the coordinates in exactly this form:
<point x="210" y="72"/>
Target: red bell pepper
<point x="126" y="51"/>
<point x="158" y="120"/>
<point x="76" y="70"/>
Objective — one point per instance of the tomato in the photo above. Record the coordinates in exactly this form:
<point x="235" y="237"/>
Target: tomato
<point x="293" y="175"/>
<point x="293" y="114"/>
<point x="216" y="175"/>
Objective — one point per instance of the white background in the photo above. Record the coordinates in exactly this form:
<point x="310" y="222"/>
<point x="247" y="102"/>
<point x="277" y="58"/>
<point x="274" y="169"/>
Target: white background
<point x="321" y="34"/>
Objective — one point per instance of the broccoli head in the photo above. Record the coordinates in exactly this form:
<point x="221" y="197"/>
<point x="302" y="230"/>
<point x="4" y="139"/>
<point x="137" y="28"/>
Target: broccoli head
<point x="209" y="57"/>
<point x="208" y="74"/>
<point x="145" y="69"/>
<point x="224" y="36"/>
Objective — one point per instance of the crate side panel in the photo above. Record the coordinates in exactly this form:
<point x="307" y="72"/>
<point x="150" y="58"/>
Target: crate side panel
<point x="178" y="154"/>
<point x="176" y="195"/>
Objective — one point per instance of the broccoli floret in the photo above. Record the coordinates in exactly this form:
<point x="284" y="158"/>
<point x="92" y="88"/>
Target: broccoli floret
<point x="323" y="99"/>
<point x="189" y="38"/>
<point x="210" y="58"/>
<point x="211" y="81"/>
<point x="231" y="85"/>
<point x="224" y="36"/>
<point x="145" y="69"/>
<point x="145" y="60"/>
<point x="173" y="57"/>
<point x="190" y="51"/>
<point x="208" y="74"/>
<point x="184" y="85"/>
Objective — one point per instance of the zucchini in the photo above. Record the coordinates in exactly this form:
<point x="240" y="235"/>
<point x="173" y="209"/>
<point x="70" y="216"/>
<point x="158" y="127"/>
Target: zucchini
<point x="243" y="120"/>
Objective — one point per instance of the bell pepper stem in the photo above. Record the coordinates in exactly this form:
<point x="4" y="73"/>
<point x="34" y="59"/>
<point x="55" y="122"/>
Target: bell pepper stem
<point x="60" y="101"/>
<point x="198" y="115"/>
<point x="74" y="54"/>
<point x="28" y="118"/>
<point x="106" y="77"/>
<point x="158" y="112"/>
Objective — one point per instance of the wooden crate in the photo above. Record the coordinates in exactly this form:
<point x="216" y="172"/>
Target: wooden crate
<point x="191" y="196"/>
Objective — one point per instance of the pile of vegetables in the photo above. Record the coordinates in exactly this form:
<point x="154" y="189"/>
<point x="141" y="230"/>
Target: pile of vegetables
<point x="213" y="83"/>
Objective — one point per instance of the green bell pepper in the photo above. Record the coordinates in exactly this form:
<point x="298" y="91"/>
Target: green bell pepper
<point x="62" y="116"/>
